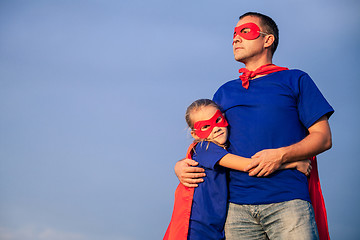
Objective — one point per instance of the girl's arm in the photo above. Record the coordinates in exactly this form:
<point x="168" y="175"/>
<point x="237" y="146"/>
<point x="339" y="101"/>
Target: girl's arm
<point x="240" y="163"/>
<point x="303" y="166"/>
<point x="234" y="162"/>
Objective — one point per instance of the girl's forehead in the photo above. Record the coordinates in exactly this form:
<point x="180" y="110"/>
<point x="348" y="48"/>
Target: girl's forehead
<point x="208" y="109"/>
<point x="204" y="113"/>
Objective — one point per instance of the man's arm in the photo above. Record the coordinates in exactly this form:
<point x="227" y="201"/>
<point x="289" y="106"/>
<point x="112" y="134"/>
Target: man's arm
<point x="267" y="161"/>
<point x="240" y="163"/>
<point x="188" y="174"/>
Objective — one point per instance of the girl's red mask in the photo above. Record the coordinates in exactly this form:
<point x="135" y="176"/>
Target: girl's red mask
<point x="204" y="128"/>
<point x="248" y="31"/>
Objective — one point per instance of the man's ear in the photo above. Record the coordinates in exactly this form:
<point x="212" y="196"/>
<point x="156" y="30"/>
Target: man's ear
<point x="269" y="40"/>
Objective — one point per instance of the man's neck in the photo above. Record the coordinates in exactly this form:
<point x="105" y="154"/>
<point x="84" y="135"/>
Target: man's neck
<point x="253" y="67"/>
<point x="254" y="64"/>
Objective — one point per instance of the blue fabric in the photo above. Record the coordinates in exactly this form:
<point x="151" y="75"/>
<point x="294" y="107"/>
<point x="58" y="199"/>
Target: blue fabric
<point x="274" y="112"/>
<point x="208" y="212"/>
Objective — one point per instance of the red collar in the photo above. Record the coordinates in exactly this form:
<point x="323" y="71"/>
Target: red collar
<point x="263" y="70"/>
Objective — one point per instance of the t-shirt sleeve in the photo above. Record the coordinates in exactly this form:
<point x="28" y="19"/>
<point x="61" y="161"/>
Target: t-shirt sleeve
<point x="311" y="103"/>
<point x="217" y="98"/>
<point x="208" y="154"/>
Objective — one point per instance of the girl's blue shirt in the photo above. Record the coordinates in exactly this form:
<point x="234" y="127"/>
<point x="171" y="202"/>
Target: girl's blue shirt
<point x="208" y="212"/>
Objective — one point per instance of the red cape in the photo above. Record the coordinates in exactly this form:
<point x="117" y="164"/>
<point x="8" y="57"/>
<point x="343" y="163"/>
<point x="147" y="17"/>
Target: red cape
<point x="180" y="219"/>
<point x="317" y="201"/>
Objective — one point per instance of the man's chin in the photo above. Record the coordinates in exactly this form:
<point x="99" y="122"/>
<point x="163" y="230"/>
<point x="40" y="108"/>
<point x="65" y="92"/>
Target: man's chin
<point x="239" y="59"/>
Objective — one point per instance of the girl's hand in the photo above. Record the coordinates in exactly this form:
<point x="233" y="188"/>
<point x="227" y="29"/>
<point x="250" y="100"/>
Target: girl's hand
<point x="188" y="174"/>
<point x="304" y="166"/>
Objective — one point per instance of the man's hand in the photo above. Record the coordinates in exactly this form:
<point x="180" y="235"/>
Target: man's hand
<point x="269" y="160"/>
<point x="265" y="162"/>
<point x="188" y="174"/>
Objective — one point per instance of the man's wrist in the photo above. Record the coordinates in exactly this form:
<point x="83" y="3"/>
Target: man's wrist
<point x="284" y="154"/>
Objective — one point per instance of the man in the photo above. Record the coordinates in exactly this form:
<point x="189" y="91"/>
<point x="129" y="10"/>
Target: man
<point x="275" y="116"/>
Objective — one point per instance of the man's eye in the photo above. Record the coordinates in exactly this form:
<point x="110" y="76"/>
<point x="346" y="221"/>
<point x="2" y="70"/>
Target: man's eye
<point x="219" y="119"/>
<point x="204" y="128"/>
<point x="245" y="30"/>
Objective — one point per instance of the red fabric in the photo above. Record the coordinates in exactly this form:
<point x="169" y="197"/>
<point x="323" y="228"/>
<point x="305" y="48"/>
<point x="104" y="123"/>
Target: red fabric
<point x="253" y="31"/>
<point x="180" y="219"/>
<point x="263" y="70"/>
<point x="317" y="201"/>
<point x="214" y="121"/>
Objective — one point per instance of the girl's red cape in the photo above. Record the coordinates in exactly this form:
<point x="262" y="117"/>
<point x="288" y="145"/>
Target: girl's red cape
<point x="180" y="219"/>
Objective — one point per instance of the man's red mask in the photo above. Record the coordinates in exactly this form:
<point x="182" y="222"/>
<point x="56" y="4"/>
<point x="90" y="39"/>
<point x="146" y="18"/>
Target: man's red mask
<point x="204" y="128"/>
<point x="248" y="31"/>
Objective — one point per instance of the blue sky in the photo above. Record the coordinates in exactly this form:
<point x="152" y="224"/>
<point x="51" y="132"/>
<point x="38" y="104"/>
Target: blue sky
<point x="93" y="95"/>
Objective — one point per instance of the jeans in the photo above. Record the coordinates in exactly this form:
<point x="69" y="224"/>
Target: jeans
<point x="285" y="220"/>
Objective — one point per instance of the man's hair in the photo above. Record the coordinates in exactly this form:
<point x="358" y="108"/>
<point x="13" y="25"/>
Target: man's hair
<point x="269" y="26"/>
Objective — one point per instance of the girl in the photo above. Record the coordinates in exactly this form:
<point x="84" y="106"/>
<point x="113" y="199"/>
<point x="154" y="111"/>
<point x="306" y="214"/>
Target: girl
<point x="200" y="213"/>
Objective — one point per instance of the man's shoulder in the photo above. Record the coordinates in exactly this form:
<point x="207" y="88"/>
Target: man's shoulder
<point x="290" y="77"/>
<point x="227" y="87"/>
<point x="285" y="71"/>
<point x="294" y="72"/>
<point x="230" y="84"/>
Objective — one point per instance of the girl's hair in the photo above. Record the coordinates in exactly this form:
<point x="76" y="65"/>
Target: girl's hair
<point x="200" y="103"/>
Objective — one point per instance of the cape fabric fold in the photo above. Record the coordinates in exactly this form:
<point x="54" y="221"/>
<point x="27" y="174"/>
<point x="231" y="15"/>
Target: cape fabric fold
<point x="317" y="201"/>
<point x="180" y="219"/>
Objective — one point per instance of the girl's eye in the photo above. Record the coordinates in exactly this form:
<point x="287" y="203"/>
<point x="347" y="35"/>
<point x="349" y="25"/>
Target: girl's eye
<point x="204" y="128"/>
<point x="219" y="119"/>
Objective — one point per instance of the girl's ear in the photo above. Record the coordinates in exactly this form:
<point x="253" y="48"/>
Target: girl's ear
<point x="193" y="134"/>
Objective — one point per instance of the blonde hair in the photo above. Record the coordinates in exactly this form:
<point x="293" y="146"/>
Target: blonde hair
<point x="196" y="105"/>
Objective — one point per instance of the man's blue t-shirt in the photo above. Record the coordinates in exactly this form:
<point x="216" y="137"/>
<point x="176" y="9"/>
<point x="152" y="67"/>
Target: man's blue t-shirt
<point x="275" y="111"/>
<point x="209" y="207"/>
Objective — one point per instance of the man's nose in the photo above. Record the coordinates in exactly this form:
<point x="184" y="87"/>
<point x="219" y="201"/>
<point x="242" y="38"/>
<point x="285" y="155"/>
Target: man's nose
<point x="237" y="39"/>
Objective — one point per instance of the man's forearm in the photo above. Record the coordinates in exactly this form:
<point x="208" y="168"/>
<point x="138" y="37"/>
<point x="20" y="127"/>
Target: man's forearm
<point x="318" y="141"/>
